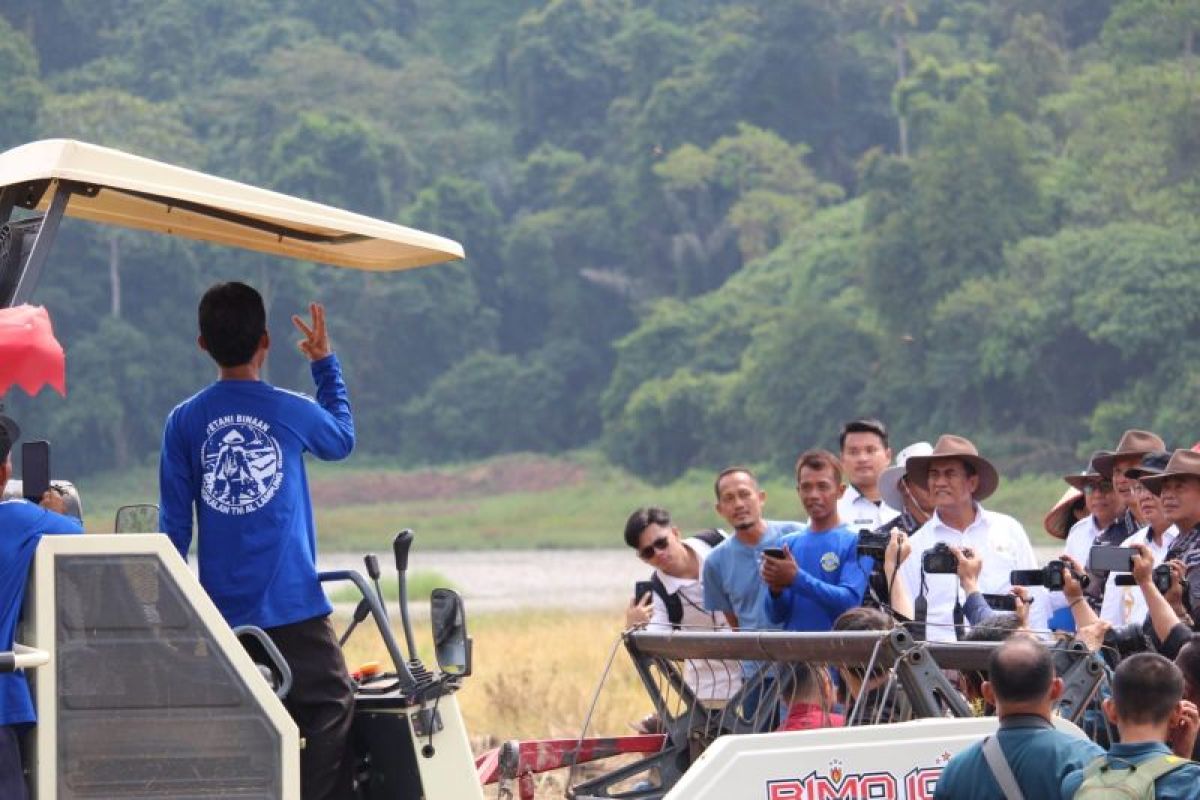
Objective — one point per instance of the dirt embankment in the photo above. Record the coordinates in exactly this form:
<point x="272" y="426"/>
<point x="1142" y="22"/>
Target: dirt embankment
<point x="504" y="475"/>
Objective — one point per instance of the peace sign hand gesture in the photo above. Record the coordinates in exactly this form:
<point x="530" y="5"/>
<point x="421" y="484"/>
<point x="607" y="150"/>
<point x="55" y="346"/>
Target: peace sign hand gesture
<point x="315" y="343"/>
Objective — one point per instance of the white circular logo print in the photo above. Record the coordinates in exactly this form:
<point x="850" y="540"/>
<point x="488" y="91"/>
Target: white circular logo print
<point x="830" y="562"/>
<point x="243" y="465"/>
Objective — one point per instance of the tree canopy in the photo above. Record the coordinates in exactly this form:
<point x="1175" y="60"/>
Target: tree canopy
<point x="698" y="231"/>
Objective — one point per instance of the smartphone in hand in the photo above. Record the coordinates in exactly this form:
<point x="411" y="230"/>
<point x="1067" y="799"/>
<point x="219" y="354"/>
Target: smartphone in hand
<point x="1001" y="602"/>
<point x="35" y="470"/>
<point x="774" y="552"/>
<point x="1104" y="558"/>
<point x="641" y="589"/>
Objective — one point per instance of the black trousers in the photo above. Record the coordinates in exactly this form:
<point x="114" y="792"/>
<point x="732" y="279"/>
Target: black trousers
<point x="12" y="779"/>
<point x="321" y="702"/>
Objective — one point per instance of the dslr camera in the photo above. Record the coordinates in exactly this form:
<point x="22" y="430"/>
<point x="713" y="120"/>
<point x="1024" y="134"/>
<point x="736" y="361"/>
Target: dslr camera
<point x="1162" y="579"/>
<point x="873" y="543"/>
<point x="1049" y="577"/>
<point x="939" y="560"/>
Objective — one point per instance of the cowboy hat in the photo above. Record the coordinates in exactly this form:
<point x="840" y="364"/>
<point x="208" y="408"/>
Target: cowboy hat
<point x="1133" y="443"/>
<point x="1152" y="464"/>
<point x="889" y="479"/>
<point x="951" y="446"/>
<point x="1183" y="464"/>
<point x="1089" y="475"/>
<point x="1061" y="517"/>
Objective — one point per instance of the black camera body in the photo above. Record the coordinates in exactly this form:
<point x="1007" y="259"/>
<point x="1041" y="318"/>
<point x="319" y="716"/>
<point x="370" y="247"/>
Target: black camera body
<point x="1162" y="579"/>
<point x="939" y="560"/>
<point x="1049" y="577"/>
<point x="873" y="543"/>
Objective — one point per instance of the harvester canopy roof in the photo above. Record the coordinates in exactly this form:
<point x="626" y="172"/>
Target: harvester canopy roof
<point x="116" y="188"/>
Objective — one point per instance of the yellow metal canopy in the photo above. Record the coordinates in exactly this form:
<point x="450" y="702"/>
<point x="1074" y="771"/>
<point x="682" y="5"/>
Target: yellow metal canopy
<point x="116" y="188"/>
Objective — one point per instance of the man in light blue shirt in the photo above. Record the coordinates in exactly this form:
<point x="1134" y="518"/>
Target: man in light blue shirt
<point x="732" y="584"/>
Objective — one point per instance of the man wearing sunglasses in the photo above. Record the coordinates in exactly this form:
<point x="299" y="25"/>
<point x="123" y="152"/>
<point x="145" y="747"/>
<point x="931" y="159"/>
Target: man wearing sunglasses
<point x="675" y="596"/>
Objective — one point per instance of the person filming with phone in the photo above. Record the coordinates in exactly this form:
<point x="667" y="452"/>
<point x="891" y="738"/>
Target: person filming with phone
<point x="673" y="598"/>
<point x="815" y="574"/>
<point x="22" y="525"/>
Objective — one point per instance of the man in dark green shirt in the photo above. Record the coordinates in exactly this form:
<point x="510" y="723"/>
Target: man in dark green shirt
<point x="1023" y="687"/>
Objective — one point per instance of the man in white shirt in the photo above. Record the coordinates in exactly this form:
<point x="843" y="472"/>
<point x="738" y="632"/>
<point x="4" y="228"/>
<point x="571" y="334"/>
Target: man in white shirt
<point x="1126" y="604"/>
<point x="865" y="455"/>
<point x="676" y="596"/>
<point x="1104" y="504"/>
<point x="957" y="479"/>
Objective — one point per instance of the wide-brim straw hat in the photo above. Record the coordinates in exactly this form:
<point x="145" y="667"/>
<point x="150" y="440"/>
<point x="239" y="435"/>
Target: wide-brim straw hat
<point x="951" y="446"/>
<point x="1183" y="464"/>
<point x="1133" y="443"/>
<point x="1061" y="517"/>
<point x="889" y="479"/>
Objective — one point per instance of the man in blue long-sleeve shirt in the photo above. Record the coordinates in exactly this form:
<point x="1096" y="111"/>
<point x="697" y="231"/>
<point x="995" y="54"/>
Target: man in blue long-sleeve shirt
<point x="821" y="574"/>
<point x="235" y="452"/>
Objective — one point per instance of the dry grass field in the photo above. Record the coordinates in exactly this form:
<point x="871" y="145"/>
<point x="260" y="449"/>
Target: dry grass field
<point x="535" y="674"/>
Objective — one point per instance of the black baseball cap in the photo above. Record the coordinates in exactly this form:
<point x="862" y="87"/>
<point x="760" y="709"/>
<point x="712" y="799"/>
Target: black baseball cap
<point x="9" y="433"/>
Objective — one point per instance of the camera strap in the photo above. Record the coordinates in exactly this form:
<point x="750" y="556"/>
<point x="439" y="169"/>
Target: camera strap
<point x="921" y="613"/>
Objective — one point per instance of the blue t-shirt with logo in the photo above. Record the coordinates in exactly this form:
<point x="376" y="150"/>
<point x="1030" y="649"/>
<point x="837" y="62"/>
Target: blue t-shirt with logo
<point x="832" y="579"/>
<point x="732" y="581"/>
<point x="235" y="453"/>
<point x="22" y="525"/>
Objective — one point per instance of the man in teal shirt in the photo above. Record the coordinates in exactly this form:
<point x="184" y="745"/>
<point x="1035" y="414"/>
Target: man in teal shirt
<point x="1148" y="708"/>
<point x="1023" y="687"/>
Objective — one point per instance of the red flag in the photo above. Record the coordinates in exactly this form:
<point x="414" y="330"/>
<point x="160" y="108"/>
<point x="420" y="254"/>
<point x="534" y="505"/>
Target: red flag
<point x="30" y="356"/>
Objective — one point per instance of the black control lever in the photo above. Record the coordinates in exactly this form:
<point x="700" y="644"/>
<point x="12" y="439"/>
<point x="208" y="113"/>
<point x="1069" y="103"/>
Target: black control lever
<point x="361" y="612"/>
<point x="400" y="547"/>
<point x="372" y="564"/>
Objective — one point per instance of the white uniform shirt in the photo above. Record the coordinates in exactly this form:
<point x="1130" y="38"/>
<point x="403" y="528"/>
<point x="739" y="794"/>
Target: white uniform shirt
<point x="1003" y="545"/>
<point x="709" y="679"/>
<point x="1080" y="539"/>
<point x="856" y="512"/>
<point x="1126" y="604"/>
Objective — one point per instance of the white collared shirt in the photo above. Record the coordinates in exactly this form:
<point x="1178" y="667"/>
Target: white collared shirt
<point x="1125" y="604"/>
<point x="1003" y="545"/>
<point x="856" y="512"/>
<point x="709" y="679"/>
<point x="1080" y="539"/>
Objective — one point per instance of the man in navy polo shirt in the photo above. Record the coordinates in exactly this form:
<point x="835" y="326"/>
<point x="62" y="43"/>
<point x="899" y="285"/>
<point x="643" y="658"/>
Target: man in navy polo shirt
<point x="22" y="525"/>
<point x="235" y="451"/>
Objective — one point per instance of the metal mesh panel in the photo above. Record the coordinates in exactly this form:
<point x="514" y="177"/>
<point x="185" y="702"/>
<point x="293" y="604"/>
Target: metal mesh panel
<point x="148" y="705"/>
<point x="850" y="678"/>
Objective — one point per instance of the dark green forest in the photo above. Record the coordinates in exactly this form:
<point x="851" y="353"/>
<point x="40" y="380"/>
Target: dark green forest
<point x="698" y="231"/>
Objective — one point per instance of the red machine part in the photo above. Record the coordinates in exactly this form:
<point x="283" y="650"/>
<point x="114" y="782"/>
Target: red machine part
<point x="520" y="761"/>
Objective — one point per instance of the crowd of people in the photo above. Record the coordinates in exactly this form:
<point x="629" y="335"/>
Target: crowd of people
<point x="910" y="542"/>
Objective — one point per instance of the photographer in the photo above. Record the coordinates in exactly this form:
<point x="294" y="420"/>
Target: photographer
<point x="676" y="594"/>
<point x="958" y="479"/>
<point x="1124" y="603"/>
<point x="22" y="525"/>
<point x="1163" y="630"/>
<point x="890" y="543"/>
<point x="1178" y="486"/>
